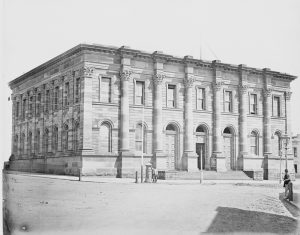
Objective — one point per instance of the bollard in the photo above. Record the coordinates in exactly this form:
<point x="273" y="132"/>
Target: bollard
<point x="136" y="177"/>
<point x="79" y="176"/>
<point x="142" y="174"/>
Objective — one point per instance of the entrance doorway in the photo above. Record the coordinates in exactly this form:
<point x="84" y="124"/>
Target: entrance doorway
<point x="228" y="150"/>
<point x="201" y="145"/>
<point x="200" y="150"/>
<point x="171" y="147"/>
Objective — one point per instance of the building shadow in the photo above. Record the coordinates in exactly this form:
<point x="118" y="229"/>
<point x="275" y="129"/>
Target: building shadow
<point x="233" y="220"/>
<point x="294" y="210"/>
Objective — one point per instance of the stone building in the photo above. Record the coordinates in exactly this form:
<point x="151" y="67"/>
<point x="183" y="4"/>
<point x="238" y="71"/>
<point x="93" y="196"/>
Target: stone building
<point x="99" y="108"/>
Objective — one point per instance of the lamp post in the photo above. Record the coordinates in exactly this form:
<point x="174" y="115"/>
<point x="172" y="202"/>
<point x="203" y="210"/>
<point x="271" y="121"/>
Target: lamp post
<point x="284" y="140"/>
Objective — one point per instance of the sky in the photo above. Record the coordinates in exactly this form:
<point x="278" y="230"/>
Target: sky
<point x="258" y="33"/>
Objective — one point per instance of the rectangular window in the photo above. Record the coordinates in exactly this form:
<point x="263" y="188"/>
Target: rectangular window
<point x="77" y="90"/>
<point x="228" y="101"/>
<point x="24" y="108"/>
<point x="295" y="152"/>
<point x="200" y="98"/>
<point x="38" y="105"/>
<point x="67" y="93"/>
<point x="17" y="109"/>
<point x="47" y="100"/>
<point x="56" y="92"/>
<point x="253" y="104"/>
<point x="253" y="145"/>
<point x="105" y="90"/>
<point x="30" y="104"/>
<point x="276" y="106"/>
<point x="139" y="93"/>
<point x="171" y="96"/>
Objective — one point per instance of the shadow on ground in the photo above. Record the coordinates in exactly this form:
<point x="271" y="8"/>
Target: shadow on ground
<point x="233" y="220"/>
<point x="295" y="211"/>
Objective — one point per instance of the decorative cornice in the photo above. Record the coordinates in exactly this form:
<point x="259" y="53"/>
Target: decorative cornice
<point x="158" y="78"/>
<point x="288" y="95"/>
<point x="267" y="92"/>
<point x="86" y="48"/>
<point x="189" y="81"/>
<point x="125" y="74"/>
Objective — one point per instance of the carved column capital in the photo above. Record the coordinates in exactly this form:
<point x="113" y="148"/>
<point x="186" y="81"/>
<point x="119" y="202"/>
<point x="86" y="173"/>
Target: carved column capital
<point x="243" y="89"/>
<point x="288" y="95"/>
<point x="158" y="78"/>
<point x="218" y="85"/>
<point x="267" y="92"/>
<point x="189" y="81"/>
<point x="87" y="71"/>
<point x="125" y="75"/>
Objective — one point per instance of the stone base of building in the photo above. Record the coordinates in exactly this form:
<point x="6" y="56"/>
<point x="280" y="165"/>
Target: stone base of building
<point x="65" y="165"/>
<point x="272" y="168"/>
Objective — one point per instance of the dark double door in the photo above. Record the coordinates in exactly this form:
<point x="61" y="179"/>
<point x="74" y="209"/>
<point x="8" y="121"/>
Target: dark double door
<point x="200" y="150"/>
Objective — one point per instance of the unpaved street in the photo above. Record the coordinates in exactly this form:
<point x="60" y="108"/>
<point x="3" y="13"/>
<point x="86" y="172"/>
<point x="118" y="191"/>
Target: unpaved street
<point x="36" y="205"/>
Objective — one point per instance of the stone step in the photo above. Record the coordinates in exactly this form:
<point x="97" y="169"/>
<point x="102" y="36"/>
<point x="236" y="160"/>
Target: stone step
<point x="208" y="175"/>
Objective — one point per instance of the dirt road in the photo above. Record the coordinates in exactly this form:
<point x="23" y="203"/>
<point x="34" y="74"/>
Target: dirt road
<point x="36" y="205"/>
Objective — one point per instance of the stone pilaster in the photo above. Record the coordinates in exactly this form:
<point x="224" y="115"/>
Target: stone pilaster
<point x="157" y="138"/>
<point x="86" y="108"/>
<point x="243" y="110"/>
<point x="125" y="75"/>
<point x="189" y="161"/>
<point x="218" y="160"/>
<point x="287" y="95"/>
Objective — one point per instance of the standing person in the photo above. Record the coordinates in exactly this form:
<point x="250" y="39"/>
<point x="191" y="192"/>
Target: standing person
<point x="286" y="181"/>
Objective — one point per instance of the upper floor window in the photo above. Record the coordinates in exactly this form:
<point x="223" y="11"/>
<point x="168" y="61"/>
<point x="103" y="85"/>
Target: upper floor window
<point x="253" y="104"/>
<point x="200" y="98"/>
<point x="276" y="106"/>
<point x="24" y="108"/>
<point x="56" y="93"/>
<point x="67" y="93"/>
<point x="295" y="152"/>
<point x="171" y="95"/>
<point x="47" y="101"/>
<point x="17" y="109"/>
<point x="105" y="94"/>
<point x="38" y="106"/>
<point x="77" y="90"/>
<point x="228" y="101"/>
<point x="30" y="105"/>
<point x="139" y="92"/>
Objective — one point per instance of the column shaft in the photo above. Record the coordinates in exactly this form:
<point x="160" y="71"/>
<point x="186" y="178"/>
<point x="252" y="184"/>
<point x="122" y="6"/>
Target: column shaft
<point x="267" y="121"/>
<point x="124" y="125"/>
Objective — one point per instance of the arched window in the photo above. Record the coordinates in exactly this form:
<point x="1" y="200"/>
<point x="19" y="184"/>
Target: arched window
<point x="277" y="144"/>
<point x="76" y="136"/>
<point x="65" y="139"/>
<point x="254" y="143"/>
<point x="171" y="127"/>
<point x="46" y="141"/>
<point x="30" y="142"/>
<point x="105" y="138"/>
<point x="55" y="138"/>
<point x="22" y="147"/>
<point x="140" y="138"/>
<point x="16" y="144"/>
<point x="38" y="141"/>
<point x="227" y="130"/>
